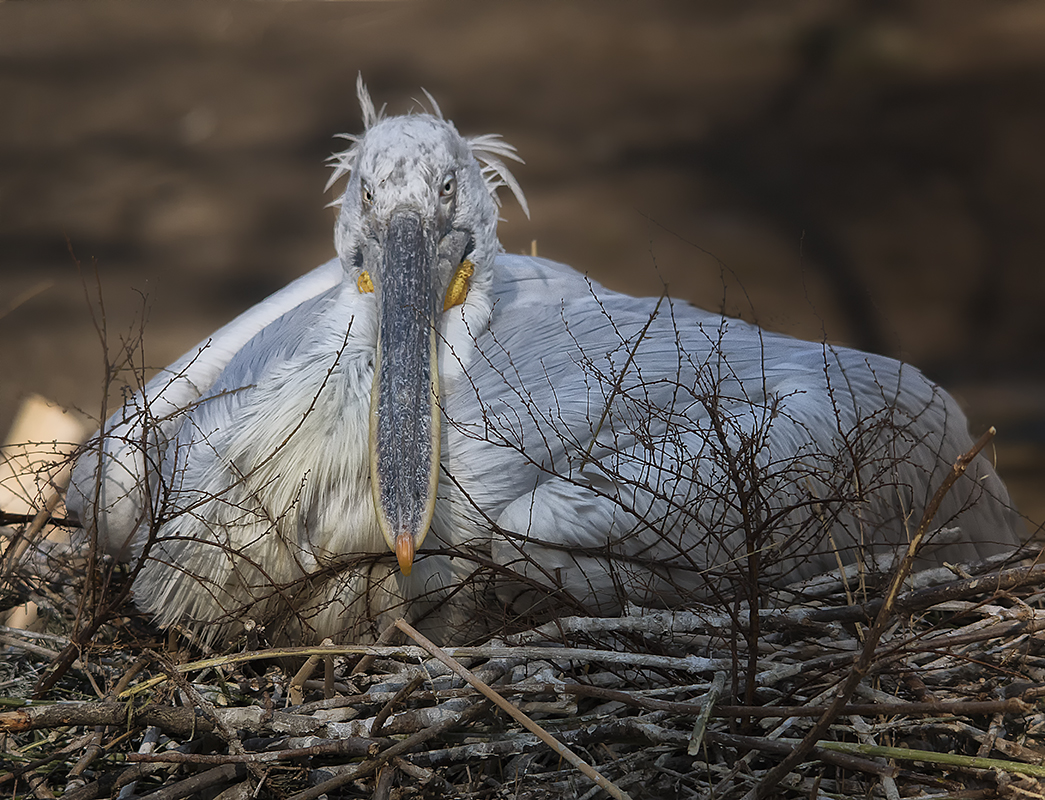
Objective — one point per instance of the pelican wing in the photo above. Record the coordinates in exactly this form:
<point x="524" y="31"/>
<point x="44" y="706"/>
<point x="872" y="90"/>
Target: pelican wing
<point x="111" y="477"/>
<point x="630" y="452"/>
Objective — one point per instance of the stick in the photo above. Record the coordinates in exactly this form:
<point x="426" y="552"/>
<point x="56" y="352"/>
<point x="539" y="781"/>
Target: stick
<point x="685" y="663"/>
<point x="929" y="757"/>
<point x="352" y="748"/>
<point x="781" y="746"/>
<point x="1013" y="705"/>
<point x="708" y="702"/>
<point x="386" y="711"/>
<point x="195" y="785"/>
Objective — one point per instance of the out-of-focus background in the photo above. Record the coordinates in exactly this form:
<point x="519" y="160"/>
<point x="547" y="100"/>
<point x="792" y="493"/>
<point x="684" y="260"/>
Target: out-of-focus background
<point x="872" y="172"/>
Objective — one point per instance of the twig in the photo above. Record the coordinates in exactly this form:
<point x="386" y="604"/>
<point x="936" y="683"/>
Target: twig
<point x="10" y="518"/>
<point x="386" y="637"/>
<point x="941" y="707"/>
<point x="383" y="784"/>
<point x="866" y="733"/>
<point x="25" y="296"/>
<point x="385" y="712"/>
<point x="45" y="652"/>
<point x="328" y="678"/>
<point x="41" y="791"/>
<point x="822" y="751"/>
<point x="612" y="789"/>
<point x="1014" y="705"/>
<point x="194" y="786"/>
<point x="433" y="780"/>
<point x="583" y="655"/>
<point x="620" y="380"/>
<point x="1001" y="630"/>
<point x="708" y="704"/>
<point x="178" y="721"/>
<point x="147" y="747"/>
<point x="91" y="752"/>
<point x="350" y="748"/>
<point x="294" y="689"/>
<point x="929" y="757"/>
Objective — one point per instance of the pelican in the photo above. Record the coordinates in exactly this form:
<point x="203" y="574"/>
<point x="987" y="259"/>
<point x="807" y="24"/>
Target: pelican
<point x="427" y="426"/>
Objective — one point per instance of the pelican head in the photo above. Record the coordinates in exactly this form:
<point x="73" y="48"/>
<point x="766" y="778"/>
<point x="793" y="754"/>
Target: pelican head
<point x="418" y="228"/>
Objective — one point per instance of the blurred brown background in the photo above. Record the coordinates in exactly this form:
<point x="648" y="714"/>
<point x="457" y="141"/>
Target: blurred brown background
<point x="872" y="171"/>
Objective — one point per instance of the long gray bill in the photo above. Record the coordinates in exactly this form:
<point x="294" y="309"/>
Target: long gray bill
<point x="404" y="412"/>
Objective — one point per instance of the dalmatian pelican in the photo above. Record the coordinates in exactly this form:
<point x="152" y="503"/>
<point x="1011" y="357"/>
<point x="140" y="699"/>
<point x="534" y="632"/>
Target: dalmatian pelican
<point x="427" y="426"/>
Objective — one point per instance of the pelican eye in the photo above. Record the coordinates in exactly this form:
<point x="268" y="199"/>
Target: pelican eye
<point x="368" y="195"/>
<point x="449" y="187"/>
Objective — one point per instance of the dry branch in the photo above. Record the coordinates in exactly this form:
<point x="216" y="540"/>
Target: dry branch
<point x="929" y="757"/>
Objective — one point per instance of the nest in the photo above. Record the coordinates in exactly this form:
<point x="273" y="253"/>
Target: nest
<point x="867" y="681"/>
<point x="931" y="691"/>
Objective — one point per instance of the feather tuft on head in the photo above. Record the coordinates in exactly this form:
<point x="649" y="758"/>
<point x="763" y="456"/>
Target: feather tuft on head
<point x="366" y="105"/>
<point x="489" y="150"/>
<point x="343" y="162"/>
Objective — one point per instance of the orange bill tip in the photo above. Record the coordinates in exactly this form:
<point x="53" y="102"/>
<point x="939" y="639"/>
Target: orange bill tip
<point x="405" y="552"/>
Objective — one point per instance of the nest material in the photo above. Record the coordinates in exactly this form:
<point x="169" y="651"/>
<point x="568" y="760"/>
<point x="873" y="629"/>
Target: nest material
<point x="701" y="703"/>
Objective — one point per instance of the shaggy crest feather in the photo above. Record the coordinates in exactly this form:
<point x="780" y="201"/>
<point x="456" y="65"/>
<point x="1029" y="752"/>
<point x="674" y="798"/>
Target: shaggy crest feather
<point x="488" y="150"/>
<point x="366" y="105"/>
<point x="436" y="111"/>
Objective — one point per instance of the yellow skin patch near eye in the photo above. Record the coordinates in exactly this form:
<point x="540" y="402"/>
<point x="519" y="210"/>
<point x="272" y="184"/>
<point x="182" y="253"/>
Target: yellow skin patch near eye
<point x="457" y="291"/>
